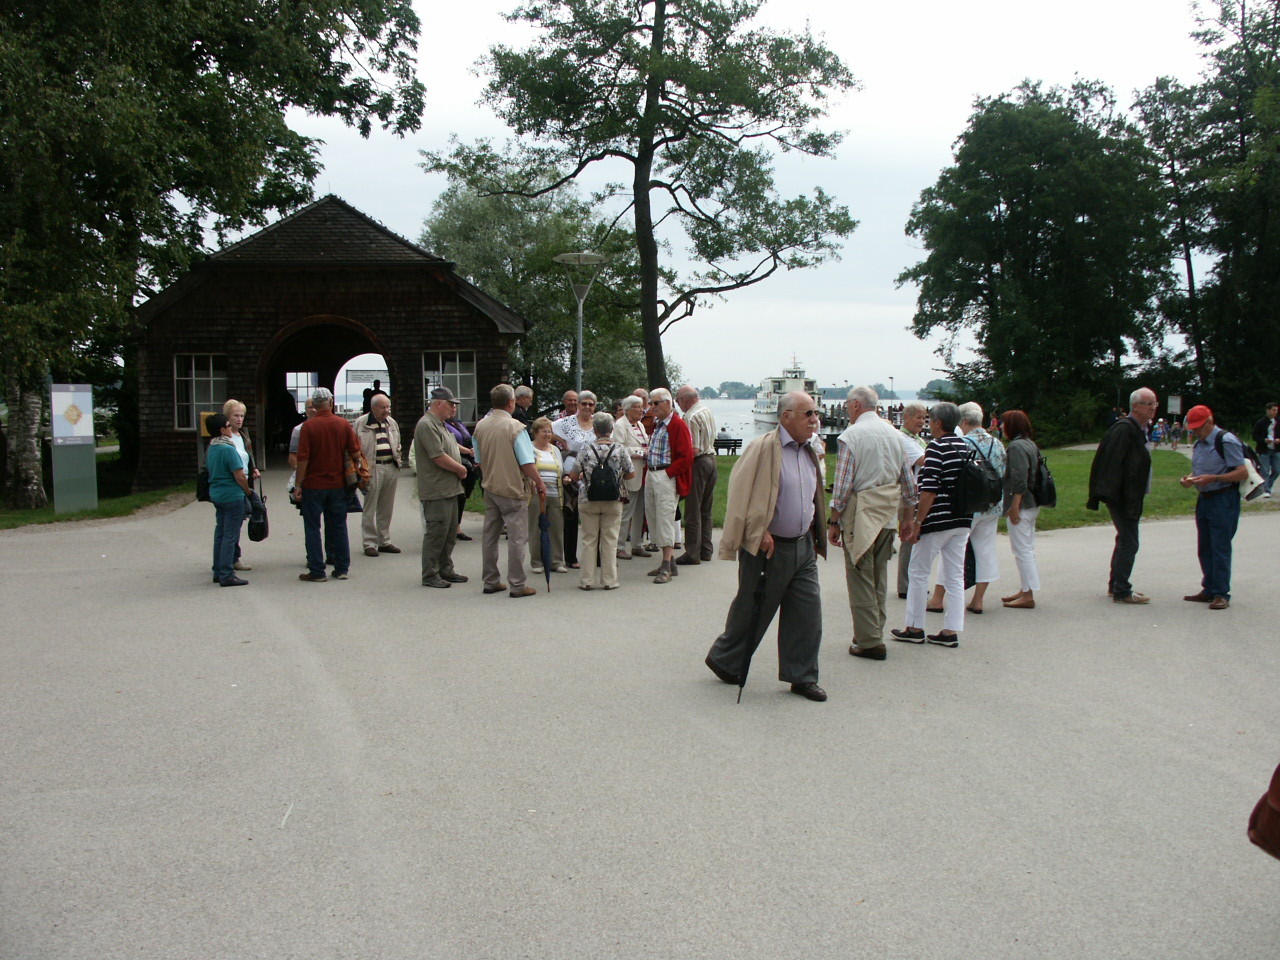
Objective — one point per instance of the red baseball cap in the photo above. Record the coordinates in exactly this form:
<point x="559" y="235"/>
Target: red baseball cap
<point x="1197" y="415"/>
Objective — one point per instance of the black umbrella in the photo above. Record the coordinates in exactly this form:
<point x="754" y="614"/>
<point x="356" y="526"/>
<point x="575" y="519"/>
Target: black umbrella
<point x="544" y="538"/>
<point x="756" y="634"/>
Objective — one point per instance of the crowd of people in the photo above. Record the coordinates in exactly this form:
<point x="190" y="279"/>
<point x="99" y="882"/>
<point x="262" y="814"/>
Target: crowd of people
<point x="584" y="488"/>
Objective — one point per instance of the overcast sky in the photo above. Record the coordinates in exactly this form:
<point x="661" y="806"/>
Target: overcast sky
<point x="921" y="64"/>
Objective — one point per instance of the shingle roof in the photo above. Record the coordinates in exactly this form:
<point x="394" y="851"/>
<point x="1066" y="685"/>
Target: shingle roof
<point x="328" y="231"/>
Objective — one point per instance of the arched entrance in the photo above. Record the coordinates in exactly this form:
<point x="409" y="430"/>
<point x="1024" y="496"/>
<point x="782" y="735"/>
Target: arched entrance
<point x="321" y="344"/>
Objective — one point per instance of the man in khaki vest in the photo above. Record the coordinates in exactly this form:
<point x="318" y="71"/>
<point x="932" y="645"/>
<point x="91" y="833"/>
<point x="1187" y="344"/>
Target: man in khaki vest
<point x="505" y="454"/>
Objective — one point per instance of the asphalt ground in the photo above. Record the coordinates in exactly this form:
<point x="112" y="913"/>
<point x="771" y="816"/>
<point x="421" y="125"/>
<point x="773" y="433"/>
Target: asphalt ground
<point x="373" y="769"/>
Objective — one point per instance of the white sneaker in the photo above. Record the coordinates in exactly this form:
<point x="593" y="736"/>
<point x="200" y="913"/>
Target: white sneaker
<point x="535" y="567"/>
<point x="1266" y="495"/>
<point x="240" y="565"/>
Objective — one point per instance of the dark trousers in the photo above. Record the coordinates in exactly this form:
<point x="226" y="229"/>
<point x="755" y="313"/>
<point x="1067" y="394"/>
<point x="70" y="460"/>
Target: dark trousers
<point x="791" y="583"/>
<point x="1125" y="552"/>
<point x="697" y="508"/>
<point x="439" y="534"/>
<point x="1217" y="516"/>
<point x="332" y="506"/>
<point x="226" y="536"/>
<point x="570" y="506"/>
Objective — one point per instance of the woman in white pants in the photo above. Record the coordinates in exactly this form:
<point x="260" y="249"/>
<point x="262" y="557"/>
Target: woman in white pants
<point x="1020" y="505"/>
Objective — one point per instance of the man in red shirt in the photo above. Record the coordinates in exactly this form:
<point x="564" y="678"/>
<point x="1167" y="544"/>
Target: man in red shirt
<point x="324" y="446"/>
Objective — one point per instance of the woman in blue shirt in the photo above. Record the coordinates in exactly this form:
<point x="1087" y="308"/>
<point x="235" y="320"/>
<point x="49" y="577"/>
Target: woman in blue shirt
<point x="229" y="490"/>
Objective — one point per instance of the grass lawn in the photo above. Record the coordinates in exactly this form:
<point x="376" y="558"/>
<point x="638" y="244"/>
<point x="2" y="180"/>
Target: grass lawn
<point x="114" y="498"/>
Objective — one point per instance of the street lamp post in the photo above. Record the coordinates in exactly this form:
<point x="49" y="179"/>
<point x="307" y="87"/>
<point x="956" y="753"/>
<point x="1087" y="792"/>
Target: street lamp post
<point x="579" y="266"/>
<point x="893" y="393"/>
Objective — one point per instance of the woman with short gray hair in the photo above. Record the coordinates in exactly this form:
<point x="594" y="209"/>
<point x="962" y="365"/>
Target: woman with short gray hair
<point x="600" y="514"/>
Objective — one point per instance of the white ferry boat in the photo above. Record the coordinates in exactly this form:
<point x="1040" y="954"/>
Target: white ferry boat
<point x="765" y="409"/>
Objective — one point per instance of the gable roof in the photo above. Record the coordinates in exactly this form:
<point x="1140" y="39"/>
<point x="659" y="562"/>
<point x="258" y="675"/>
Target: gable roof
<point x="327" y="232"/>
<point x="331" y="233"/>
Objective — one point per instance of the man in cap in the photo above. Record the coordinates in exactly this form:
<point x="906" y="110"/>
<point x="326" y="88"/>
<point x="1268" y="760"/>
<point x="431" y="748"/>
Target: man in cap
<point x="1120" y="477"/>
<point x="505" y="454"/>
<point x="325" y="444"/>
<point x="1217" y="467"/>
<point x="379" y="437"/>
<point x="440" y="475"/>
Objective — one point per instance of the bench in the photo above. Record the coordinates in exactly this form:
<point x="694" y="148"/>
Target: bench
<point x="728" y="445"/>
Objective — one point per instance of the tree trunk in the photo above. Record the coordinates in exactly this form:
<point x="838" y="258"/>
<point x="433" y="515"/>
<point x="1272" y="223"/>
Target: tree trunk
<point x="646" y="241"/>
<point x="24" y="489"/>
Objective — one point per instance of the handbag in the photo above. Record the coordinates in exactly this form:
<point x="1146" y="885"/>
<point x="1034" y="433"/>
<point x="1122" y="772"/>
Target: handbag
<point x="1264" y="822"/>
<point x="356" y="475"/>
<point x="259" y="528"/>
<point x="202" y="486"/>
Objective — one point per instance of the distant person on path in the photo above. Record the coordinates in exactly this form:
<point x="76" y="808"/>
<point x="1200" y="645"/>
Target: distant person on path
<point x="1266" y="441"/>
<point x="670" y="469"/>
<point x="702" y="487"/>
<point x="1121" y="477"/>
<point x="441" y="472"/>
<point x="505" y="454"/>
<point x="379" y="437"/>
<point x="1217" y="467"/>
<point x="631" y="434"/>
<point x="1020" y="507"/>
<point x="773" y="528"/>
<point x="230" y="492"/>
<point x="325" y="443"/>
<point x="914" y="415"/>
<point x="938" y="529"/>
<point x="871" y="484"/>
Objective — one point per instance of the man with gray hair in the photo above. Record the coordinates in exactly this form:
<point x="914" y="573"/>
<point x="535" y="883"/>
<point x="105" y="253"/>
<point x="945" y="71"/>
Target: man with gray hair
<point x="441" y="473"/>
<point x="379" y="436"/>
<point x="1120" y="477"/>
<point x="670" y="462"/>
<point x="872" y="482"/>
<point x="524" y="403"/>
<point x="702" y="487"/>
<point x="505" y="454"/>
<point x="325" y="443"/>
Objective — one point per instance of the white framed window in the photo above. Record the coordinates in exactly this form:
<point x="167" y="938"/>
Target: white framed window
<point x="301" y="385"/>
<point x="199" y="385"/>
<point x="455" y="369"/>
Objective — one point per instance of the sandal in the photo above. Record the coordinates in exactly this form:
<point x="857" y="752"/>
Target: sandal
<point x="933" y="609"/>
<point x="1022" y="603"/>
<point x="974" y="609"/>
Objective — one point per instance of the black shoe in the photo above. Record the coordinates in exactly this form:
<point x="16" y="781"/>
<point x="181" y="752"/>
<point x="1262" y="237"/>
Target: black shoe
<point x="902" y="596"/>
<point x="809" y="690"/>
<point x="463" y="536"/>
<point x="312" y="577"/>
<point x="870" y="653"/>
<point x="687" y="561"/>
<point x="908" y="635"/>
<point x="724" y="675"/>
<point x="453" y="577"/>
<point x="233" y="582"/>
<point x="944" y="639"/>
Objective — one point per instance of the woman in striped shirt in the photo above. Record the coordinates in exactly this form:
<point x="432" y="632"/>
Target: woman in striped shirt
<point x="938" y="530"/>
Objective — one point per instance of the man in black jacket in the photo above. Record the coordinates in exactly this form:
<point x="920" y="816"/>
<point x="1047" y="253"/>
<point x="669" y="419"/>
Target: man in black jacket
<point x="1266" y="440"/>
<point x="1120" y="478"/>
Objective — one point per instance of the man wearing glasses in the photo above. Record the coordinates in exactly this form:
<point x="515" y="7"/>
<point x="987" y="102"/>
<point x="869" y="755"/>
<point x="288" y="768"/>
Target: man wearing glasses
<point x="670" y="463"/>
<point x="773" y="527"/>
<point x="1121" y="477"/>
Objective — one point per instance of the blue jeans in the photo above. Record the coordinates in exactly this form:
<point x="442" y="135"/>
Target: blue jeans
<point x="332" y="505"/>
<point x="226" y="537"/>
<point x="1217" y="515"/>
<point x="1270" y="464"/>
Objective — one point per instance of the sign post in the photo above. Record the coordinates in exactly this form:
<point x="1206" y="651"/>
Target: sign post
<point x="75" y="449"/>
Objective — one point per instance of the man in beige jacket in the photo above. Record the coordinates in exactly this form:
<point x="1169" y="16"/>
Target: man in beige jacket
<point x="773" y="528"/>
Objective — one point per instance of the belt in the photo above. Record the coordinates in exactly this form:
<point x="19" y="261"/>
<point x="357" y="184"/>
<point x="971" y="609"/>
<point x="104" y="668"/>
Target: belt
<point x="660" y="466"/>
<point x="778" y="539"/>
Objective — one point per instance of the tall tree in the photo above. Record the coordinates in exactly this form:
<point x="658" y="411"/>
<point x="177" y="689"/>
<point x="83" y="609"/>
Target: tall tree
<point x="691" y="98"/>
<point x="1045" y="240"/>
<point x="505" y="244"/>
<point x="128" y="129"/>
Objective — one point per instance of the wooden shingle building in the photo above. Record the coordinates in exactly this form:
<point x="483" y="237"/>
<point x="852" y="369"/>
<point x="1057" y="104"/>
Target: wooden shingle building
<point x="307" y="294"/>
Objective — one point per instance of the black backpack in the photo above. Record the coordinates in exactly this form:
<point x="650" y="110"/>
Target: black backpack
<point x="979" y="487"/>
<point x="603" y="484"/>
<point x="1043" y="488"/>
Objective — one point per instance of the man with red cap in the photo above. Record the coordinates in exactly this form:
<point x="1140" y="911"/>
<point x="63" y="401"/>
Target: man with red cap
<point x="1217" y="467"/>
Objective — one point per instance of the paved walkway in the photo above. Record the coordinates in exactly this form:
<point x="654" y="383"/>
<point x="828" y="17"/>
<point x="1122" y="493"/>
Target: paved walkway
<point x="371" y="769"/>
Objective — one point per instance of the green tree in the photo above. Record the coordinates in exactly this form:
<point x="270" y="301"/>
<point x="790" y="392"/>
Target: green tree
<point x="128" y="130"/>
<point x="1046" y="242"/>
<point x="690" y="98"/>
<point x="505" y="244"/>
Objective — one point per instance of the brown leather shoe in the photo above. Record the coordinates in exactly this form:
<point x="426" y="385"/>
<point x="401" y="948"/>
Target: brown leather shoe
<point x="809" y="690"/>
<point x="1133" y="598"/>
<point x="870" y="653"/>
<point x="389" y="548"/>
<point x="497" y="589"/>
<point x="1204" y="596"/>
<point x="1219" y="603"/>
<point x="370" y="551"/>
<point x="523" y="592"/>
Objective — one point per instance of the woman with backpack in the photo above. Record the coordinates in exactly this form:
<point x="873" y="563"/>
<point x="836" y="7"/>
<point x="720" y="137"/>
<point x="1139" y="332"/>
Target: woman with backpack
<point x="1020" y="507"/>
<point x="600" y="470"/>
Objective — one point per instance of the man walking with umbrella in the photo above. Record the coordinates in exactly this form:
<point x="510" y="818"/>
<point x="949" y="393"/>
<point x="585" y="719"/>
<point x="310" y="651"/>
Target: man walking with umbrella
<point x="773" y="527"/>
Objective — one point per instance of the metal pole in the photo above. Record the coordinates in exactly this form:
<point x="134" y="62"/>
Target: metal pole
<point x="577" y="380"/>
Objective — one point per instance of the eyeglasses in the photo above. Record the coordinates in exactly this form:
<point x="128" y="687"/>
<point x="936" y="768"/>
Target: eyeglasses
<point x="807" y="413"/>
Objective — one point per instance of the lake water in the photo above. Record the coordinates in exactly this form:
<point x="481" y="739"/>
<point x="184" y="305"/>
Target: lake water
<point x="738" y="421"/>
